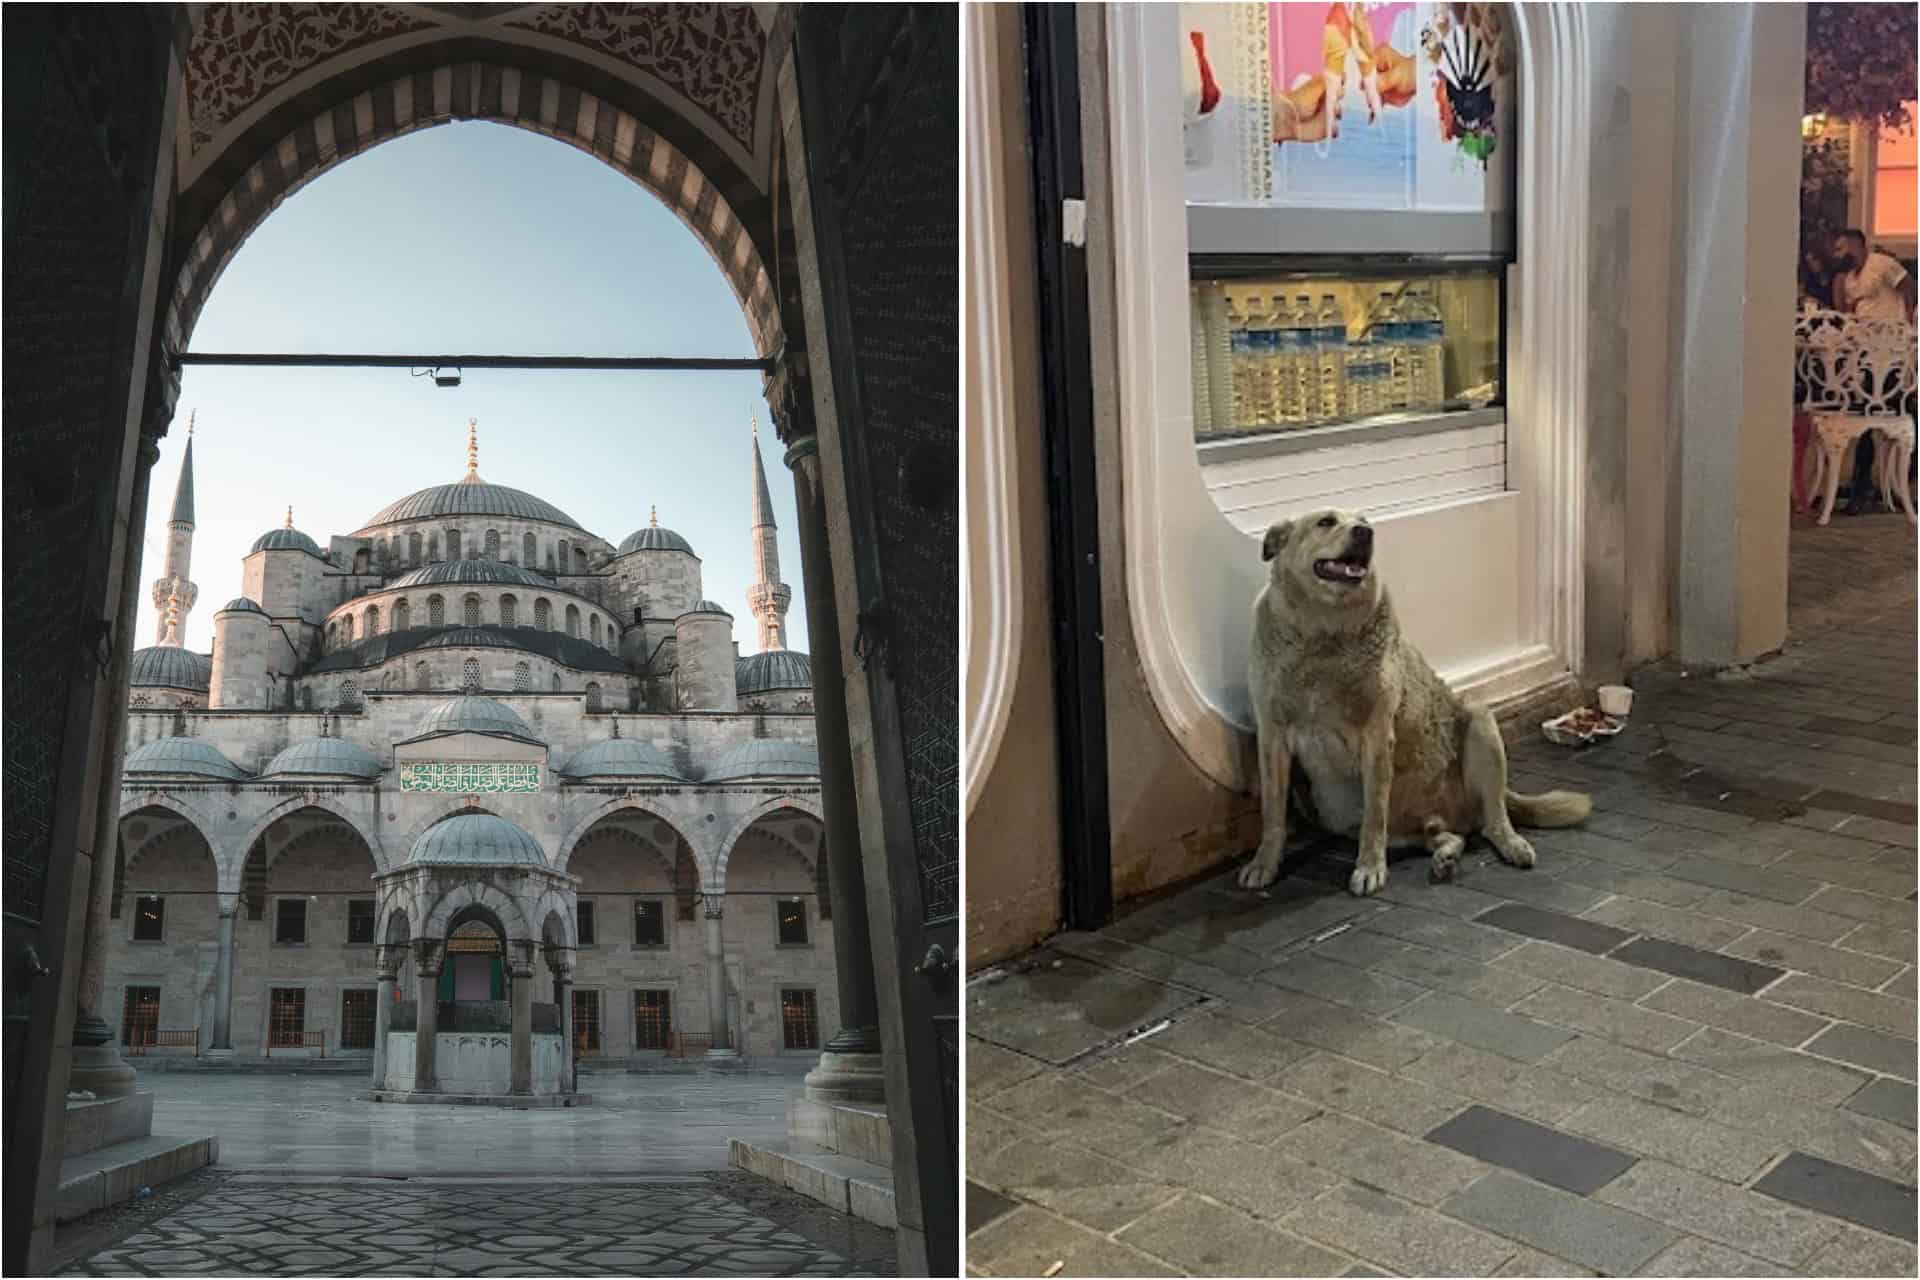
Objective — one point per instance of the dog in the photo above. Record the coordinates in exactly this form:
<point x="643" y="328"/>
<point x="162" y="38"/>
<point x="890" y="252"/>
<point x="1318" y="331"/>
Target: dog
<point x="1387" y="753"/>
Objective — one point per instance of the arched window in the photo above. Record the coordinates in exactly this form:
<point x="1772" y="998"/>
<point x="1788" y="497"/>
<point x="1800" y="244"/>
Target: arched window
<point x="522" y="678"/>
<point x="542" y="616"/>
<point x="362" y="560"/>
<point x="402" y="615"/>
<point x="453" y="544"/>
<point x="573" y="622"/>
<point x="531" y="554"/>
<point x="346" y="628"/>
<point x="306" y="699"/>
<point x="593" y="629"/>
<point x="470" y="676"/>
<point x="509" y="611"/>
<point x="436" y="611"/>
<point x="633" y="697"/>
<point x="373" y="620"/>
<point x="566" y="556"/>
<point x="593" y="696"/>
<point x="579" y="559"/>
<point x="422" y="677"/>
<point x="493" y="544"/>
<point x="349" y="696"/>
<point x="413" y="548"/>
<point x="333" y="635"/>
<point x="556" y="682"/>
<point x="472" y="610"/>
<point x="433" y="547"/>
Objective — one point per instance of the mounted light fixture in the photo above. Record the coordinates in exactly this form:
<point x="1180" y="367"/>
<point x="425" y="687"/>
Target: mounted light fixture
<point x="442" y="378"/>
<point x="1812" y="126"/>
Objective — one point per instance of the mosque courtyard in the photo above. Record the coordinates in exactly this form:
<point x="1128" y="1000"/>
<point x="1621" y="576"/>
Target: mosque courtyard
<point x="312" y="1180"/>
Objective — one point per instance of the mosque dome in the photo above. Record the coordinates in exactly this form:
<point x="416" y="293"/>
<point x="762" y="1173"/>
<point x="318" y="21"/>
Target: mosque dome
<point x="774" y="669"/>
<point x="171" y="667"/>
<point x="485" y="572"/>
<point x="621" y="758"/>
<point x="470" y="497"/>
<point x="654" y="538"/>
<point x="474" y="714"/>
<point x="765" y="758"/>
<point x="476" y="840"/>
<point x="239" y="604"/>
<point x="183" y="755"/>
<point x="325" y="755"/>
<point x="708" y="606"/>
<point x="288" y="539"/>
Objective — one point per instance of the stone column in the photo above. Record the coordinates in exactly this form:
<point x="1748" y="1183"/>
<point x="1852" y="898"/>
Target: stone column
<point x="717" y="985"/>
<point x="389" y="969"/>
<point x="521" y="971"/>
<point x="850" y="1067"/>
<point x="427" y="961"/>
<point x="223" y="979"/>
<point x="561" y="962"/>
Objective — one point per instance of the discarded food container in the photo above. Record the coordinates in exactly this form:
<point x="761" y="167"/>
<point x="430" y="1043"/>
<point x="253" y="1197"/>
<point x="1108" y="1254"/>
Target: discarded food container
<point x="1616" y="700"/>
<point x="1579" y="728"/>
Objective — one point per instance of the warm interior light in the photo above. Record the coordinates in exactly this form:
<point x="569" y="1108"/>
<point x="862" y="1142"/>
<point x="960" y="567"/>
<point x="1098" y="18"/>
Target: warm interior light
<point x="1810" y="126"/>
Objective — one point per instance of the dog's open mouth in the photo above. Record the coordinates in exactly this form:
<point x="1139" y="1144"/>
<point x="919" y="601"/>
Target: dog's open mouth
<point x="1351" y="567"/>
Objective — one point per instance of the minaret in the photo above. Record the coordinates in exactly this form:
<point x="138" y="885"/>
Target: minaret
<point x="768" y="597"/>
<point x="173" y="593"/>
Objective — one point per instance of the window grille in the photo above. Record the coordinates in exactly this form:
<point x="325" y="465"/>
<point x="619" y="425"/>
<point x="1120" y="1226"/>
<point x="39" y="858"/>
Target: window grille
<point x="349" y="696"/>
<point x="360" y="920"/>
<point x="532" y="553"/>
<point x="453" y="544"/>
<point x="290" y="921"/>
<point x="140" y="1015"/>
<point x="473" y="611"/>
<point x="509" y="611"/>
<point x="287" y="1018"/>
<point x="593" y="629"/>
<point x="573" y="621"/>
<point x="346" y="628"/>
<point x="586" y="1023"/>
<point x="470" y="676"/>
<point x="493" y="544"/>
<point x="790" y="915"/>
<point x="583" y="922"/>
<point x="306" y="699"/>
<point x="649" y="923"/>
<point x="149" y="919"/>
<point x="799" y="1018"/>
<point x="522" y="678"/>
<point x="566" y="556"/>
<point x="402" y="616"/>
<point x="436" y="611"/>
<point x="652" y="1019"/>
<point x="593" y="696"/>
<point x="356" y="1019"/>
<point x="542" y="615"/>
<point x="433" y="547"/>
<point x="422" y="677"/>
<point x="373" y="621"/>
<point x="413" y="548"/>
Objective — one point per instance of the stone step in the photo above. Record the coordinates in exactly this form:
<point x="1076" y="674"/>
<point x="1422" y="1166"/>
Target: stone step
<point x="840" y="1182"/>
<point x="349" y="1064"/>
<point x="114" y="1174"/>
<point x="843" y="1128"/>
<point x="102" y="1122"/>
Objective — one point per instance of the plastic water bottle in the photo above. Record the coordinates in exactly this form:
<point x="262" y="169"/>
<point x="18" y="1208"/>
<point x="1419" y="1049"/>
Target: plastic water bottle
<point x="1330" y="349"/>
<point x="1219" y="340"/>
<point x="1431" y="387"/>
<point x="1197" y="362"/>
<point x="1360" y="380"/>
<point x="1242" y="365"/>
<point x="1275" y="361"/>
<point x="1306" y="344"/>
<point x="1390" y="334"/>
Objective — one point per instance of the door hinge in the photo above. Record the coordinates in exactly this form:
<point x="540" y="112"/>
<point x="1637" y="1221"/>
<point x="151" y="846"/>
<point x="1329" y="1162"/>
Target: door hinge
<point x="1073" y="222"/>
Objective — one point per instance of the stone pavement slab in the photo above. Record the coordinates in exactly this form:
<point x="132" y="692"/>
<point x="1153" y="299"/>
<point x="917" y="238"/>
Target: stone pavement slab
<point x="1726" y="1214"/>
<point x="1411" y="1240"/>
<point x="1607" y="1239"/>
<point x="1836" y="1190"/>
<point x="1211" y="1240"/>
<point x="1545" y="1155"/>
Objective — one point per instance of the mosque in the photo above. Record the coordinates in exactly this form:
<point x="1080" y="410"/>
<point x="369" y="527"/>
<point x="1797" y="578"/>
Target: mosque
<point x="476" y="795"/>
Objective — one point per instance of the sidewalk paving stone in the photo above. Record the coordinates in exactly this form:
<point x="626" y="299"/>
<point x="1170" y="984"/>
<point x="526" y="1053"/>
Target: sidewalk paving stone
<point x="1339" y="1084"/>
<point x="1607" y="1239"/>
<point x="1534" y="1092"/>
<point x="1894" y="912"/>
<point x="1687" y="1141"/>
<point x="1670" y="923"/>
<point x="1840" y="1192"/>
<point x="1832" y="1133"/>
<point x="1890" y="941"/>
<point x="1615" y="1020"/>
<point x="1678" y="1085"/>
<point x="1212" y="1240"/>
<point x="1313" y="975"/>
<point x="1799" y="919"/>
<point x="1590" y="973"/>
<point x="1407" y="1167"/>
<point x="1696" y="1257"/>
<point x="1851" y="1004"/>
<point x="1546" y="1155"/>
<point x="1482" y="1026"/>
<point x="1412" y="1240"/>
<point x="1770" y="1066"/>
<point x="1552" y="926"/>
<point x="1344" y="1031"/>
<point x="1887" y="1099"/>
<point x="1854" y="968"/>
<point x="1221" y="1101"/>
<point x="1863" y="1253"/>
<point x="1742" y="1014"/>
<point x="1439" y="970"/>
<point x="1725" y="1214"/>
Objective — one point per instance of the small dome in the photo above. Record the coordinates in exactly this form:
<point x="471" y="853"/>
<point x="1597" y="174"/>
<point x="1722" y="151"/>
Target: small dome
<point x="476" y="840"/>
<point x="654" y="538"/>
<point x="287" y="540"/>
<point x="474" y="714"/>
<point x="470" y="497"/>
<point x="765" y="758"/>
<point x="775" y="669"/>
<point x="708" y="606"/>
<point x="325" y="755"/>
<point x="183" y="755"/>
<point x="484" y="572"/>
<point x="621" y="758"/>
<point x="239" y="604"/>
<point x="171" y="667"/>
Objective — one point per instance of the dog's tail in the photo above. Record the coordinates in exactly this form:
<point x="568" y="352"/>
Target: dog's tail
<point x="1549" y="808"/>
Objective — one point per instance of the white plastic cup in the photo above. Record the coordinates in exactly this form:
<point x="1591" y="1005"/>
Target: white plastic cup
<point x="1616" y="699"/>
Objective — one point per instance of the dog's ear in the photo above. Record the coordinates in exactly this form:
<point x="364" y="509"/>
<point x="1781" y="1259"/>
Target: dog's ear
<point x="1275" y="539"/>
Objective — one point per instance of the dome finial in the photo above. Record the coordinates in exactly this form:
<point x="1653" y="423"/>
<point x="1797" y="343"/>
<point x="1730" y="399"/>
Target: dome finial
<point x="653" y="515"/>
<point x="473" y="446"/>
<point x="190" y="417"/>
<point x="753" y="416"/>
<point x="289" y="523"/>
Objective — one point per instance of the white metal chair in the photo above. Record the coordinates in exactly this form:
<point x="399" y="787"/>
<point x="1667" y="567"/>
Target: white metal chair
<point x="1855" y="375"/>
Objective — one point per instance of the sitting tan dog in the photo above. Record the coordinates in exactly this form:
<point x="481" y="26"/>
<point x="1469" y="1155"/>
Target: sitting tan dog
<point x="1389" y="754"/>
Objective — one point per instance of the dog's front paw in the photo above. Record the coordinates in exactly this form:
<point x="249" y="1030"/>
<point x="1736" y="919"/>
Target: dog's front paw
<point x="1368" y="878"/>
<point x="1515" y="851"/>
<point x="1259" y="873"/>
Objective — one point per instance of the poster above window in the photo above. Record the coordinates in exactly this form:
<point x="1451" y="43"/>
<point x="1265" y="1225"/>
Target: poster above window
<point x="1385" y="106"/>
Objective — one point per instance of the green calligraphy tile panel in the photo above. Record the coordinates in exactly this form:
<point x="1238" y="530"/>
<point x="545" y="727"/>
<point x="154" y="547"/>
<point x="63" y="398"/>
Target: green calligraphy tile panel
<point x="465" y="777"/>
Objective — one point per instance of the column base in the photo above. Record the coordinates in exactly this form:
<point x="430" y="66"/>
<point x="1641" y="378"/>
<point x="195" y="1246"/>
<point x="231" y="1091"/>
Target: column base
<point x="217" y="1053"/>
<point x="99" y="1069"/>
<point x="848" y="1077"/>
<point x="723" y="1053"/>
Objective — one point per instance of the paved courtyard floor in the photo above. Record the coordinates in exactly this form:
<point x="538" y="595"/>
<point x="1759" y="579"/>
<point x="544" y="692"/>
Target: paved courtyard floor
<point x="1682" y="1045"/>
<point x="312" y="1181"/>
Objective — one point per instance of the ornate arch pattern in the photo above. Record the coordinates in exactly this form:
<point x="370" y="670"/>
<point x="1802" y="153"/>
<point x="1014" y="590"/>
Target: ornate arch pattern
<point x="621" y="835"/>
<point x="133" y="855"/>
<point x="599" y="813"/>
<point x="230" y="877"/>
<point x="462" y="896"/>
<point x="803" y="804"/>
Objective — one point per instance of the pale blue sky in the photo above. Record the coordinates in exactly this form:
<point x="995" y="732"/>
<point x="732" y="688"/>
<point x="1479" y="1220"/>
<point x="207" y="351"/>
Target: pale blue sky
<point x="478" y="238"/>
